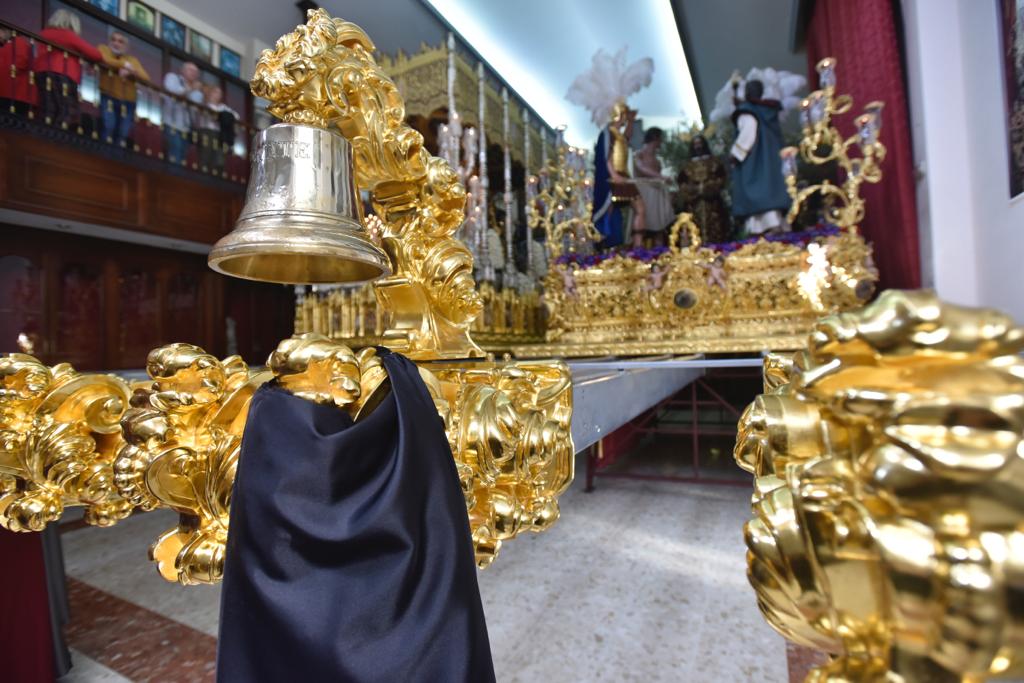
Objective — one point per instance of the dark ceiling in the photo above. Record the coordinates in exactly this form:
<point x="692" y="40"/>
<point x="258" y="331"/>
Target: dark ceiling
<point x="720" y="36"/>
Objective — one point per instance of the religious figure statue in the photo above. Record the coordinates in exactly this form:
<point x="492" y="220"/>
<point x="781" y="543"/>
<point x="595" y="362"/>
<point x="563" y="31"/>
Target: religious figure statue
<point x="612" y="180"/>
<point x="701" y="180"/>
<point x="759" y="196"/>
<point x="603" y="90"/>
<point x="653" y="186"/>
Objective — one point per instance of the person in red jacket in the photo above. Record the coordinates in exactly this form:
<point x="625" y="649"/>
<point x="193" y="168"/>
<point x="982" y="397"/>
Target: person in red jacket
<point x="16" y="95"/>
<point x="57" y="75"/>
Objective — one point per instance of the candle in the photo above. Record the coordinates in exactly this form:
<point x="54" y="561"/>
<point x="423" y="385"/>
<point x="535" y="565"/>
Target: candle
<point x="481" y="226"/>
<point x="508" y="182"/>
<point x="788" y="155"/>
<point x="451" y="74"/>
<point x="826" y="69"/>
<point x="526" y="190"/>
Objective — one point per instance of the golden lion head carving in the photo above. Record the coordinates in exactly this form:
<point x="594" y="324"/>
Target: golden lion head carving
<point x="888" y="502"/>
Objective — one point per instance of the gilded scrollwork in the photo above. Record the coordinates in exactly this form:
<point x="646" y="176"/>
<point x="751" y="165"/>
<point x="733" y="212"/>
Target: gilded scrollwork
<point x="509" y="426"/>
<point x="174" y="442"/>
<point x="693" y="298"/>
<point x="58" y="435"/>
<point x="182" y="438"/>
<point x="887" y="499"/>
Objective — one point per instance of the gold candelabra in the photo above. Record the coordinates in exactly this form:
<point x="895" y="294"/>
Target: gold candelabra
<point x="68" y="438"/>
<point x="887" y="507"/>
<point x="822" y="143"/>
<point x="560" y="200"/>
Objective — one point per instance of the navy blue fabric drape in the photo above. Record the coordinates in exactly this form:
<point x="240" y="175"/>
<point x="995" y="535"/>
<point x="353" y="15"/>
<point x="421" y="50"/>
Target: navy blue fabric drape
<point x="349" y="556"/>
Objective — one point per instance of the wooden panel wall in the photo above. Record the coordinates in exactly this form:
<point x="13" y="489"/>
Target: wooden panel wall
<point x="103" y="305"/>
<point x="41" y="177"/>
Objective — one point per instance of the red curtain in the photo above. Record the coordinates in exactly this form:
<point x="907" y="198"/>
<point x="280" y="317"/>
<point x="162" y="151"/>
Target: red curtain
<point x="26" y="643"/>
<point x="864" y="37"/>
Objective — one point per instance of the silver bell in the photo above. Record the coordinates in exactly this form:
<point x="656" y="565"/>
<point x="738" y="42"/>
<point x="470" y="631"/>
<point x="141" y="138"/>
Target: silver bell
<point x="302" y="220"/>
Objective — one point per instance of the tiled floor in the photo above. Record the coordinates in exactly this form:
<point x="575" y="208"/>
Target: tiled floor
<point x="638" y="581"/>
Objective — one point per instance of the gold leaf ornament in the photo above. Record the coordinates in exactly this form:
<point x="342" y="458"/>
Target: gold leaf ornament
<point x="889" y="459"/>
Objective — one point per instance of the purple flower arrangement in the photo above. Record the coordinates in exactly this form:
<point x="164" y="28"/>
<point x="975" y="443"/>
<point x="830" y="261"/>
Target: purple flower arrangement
<point x="589" y="260"/>
<point x="800" y="239"/>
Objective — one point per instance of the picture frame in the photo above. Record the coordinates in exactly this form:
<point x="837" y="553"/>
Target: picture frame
<point x="200" y="46"/>
<point x="230" y="62"/>
<point x="1011" y="14"/>
<point x="109" y="6"/>
<point x="142" y="16"/>
<point x="172" y="32"/>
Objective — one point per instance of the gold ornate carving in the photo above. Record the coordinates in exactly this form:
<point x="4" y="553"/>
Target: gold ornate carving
<point x="764" y="295"/>
<point x="887" y="509"/>
<point x="178" y="444"/>
<point x="58" y="435"/>
<point x="324" y="74"/>
<point x="182" y="437"/>
<point x="508" y="424"/>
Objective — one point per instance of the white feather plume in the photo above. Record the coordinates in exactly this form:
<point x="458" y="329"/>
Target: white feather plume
<point x="778" y="85"/>
<point x="609" y="79"/>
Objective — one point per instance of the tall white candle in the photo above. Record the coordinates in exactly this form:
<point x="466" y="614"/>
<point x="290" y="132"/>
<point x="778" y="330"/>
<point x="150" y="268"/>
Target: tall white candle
<point x="482" y="170"/>
<point x="543" y="149"/>
<point x="451" y="74"/>
<point x="508" y="182"/>
<point x="526" y="188"/>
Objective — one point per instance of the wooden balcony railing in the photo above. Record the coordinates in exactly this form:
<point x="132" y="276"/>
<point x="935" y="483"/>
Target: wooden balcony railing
<point x="50" y="87"/>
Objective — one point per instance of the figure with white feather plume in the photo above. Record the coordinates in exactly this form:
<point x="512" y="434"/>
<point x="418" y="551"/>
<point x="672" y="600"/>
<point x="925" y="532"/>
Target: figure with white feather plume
<point x="603" y="90"/>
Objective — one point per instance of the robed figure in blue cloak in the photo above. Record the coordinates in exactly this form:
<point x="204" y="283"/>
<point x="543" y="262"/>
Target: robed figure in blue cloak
<point x="759" y="196"/>
<point x="607" y="214"/>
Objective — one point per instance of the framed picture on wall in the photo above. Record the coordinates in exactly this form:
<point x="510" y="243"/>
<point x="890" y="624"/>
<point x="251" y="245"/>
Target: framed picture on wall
<point x="142" y="16"/>
<point x="1012" y="15"/>
<point x="108" y="6"/>
<point x="200" y="46"/>
<point x="172" y="32"/>
<point x="230" y="61"/>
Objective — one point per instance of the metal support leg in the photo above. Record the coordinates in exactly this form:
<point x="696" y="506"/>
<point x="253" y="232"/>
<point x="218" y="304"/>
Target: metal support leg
<point x="695" y="426"/>
<point x="592" y="456"/>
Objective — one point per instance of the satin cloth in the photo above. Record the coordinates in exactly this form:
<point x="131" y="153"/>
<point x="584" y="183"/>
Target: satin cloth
<point x="349" y="556"/>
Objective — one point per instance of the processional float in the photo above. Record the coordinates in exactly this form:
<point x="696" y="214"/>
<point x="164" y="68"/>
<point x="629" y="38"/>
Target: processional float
<point x="887" y="532"/>
<point x="690" y="297"/>
<point x="750" y="296"/>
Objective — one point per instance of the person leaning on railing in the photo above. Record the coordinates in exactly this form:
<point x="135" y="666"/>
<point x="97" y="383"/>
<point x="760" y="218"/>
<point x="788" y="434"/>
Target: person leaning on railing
<point x="58" y="74"/>
<point x="178" y="118"/>
<point x="117" y="87"/>
<point x="16" y="93"/>
<point x="217" y="128"/>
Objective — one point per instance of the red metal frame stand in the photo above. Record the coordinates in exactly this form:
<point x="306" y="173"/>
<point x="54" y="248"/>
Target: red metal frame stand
<point x="699" y="395"/>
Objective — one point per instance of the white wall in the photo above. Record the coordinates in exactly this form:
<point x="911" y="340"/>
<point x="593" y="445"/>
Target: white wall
<point x="999" y="220"/>
<point x="972" y="233"/>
